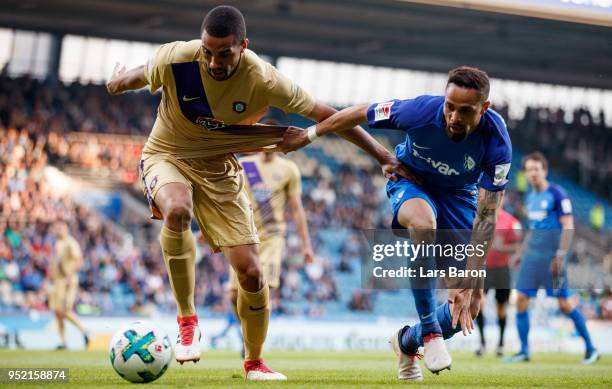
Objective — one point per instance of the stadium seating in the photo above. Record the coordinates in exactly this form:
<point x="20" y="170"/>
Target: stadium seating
<point x="343" y="193"/>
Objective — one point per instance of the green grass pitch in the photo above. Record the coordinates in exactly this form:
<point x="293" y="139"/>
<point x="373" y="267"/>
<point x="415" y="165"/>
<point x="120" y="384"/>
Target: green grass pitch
<point x="359" y="369"/>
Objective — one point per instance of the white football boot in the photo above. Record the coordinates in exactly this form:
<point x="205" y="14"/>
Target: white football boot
<point x="408" y="368"/>
<point x="187" y="347"/>
<point x="437" y="357"/>
<point x="258" y="371"/>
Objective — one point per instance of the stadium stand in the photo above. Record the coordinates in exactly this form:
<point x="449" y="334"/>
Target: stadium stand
<point x="43" y="126"/>
<point x="580" y="146"/>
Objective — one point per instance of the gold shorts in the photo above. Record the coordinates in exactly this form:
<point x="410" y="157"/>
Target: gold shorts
<point x="221" y="205"/>
<point x="270" y="257"/>
<point x="62" y="296"/>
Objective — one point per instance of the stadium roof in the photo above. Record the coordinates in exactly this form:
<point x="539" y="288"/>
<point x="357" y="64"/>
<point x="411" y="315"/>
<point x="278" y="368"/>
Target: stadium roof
<point x="377" y="32"/>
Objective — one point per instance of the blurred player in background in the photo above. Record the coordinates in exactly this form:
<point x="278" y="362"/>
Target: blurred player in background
<point x="63" y="275"/>
<point x="506" y="242"/>
<point x="551" y="229"/>
<point x="273" y="183"/>
<point x="188" y="166"/>
<point x="450" y="142"/>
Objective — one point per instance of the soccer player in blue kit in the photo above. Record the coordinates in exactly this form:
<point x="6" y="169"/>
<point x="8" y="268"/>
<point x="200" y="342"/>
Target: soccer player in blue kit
<point x="551" y="225"/>
<point x="459" y="153"/>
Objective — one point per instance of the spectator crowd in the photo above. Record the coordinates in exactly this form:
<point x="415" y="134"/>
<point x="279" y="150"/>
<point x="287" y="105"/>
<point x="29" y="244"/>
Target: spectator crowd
<point x="43" y="126"/>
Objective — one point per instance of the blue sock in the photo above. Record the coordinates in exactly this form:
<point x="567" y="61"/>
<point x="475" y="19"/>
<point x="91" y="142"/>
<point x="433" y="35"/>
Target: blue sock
<point x="581" y="327"/>
<point x="446" y="321"/>
<point x="426" y="307"/>
<point x="412" y="338"/>
<point x="522" y="325"/>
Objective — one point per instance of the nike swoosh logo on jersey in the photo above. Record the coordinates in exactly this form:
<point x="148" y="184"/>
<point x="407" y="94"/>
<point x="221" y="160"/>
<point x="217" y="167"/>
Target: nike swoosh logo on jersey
<point x="185" y="98"/>
<point x="421" y="147"/>
<point x="257" y="309"/>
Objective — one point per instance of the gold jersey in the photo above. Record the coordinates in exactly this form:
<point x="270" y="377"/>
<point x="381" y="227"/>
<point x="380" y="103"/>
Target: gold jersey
<point x="193" y="103"/>
<point x="270" y="184"/>
<point x="67" y="255"/>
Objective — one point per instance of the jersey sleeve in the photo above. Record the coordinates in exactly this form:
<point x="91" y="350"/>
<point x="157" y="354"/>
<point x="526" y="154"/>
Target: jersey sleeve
<point x="286" y="95"/>
<point x="498" y="158"/>
<point x="294" y="185"/>
<point x="402" y="114"/>
<point x="385" y="114"/>
<point x="156" y="65"/>
<point x="562" y="204"/>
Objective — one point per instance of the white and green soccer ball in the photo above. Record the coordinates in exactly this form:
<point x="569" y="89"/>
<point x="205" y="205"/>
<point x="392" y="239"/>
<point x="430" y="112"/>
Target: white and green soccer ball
<point x="140" y="352"/>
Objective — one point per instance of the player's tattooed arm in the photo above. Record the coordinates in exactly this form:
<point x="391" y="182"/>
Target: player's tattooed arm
<point x="466" y="298"/>
<point x="123" y="80"/>
<point x="483" y="231"/>
<point x="487" y="210"/>
<point x="484" y="224"/>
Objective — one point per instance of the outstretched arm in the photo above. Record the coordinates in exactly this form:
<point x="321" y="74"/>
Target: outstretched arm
<point x="124" y="80"/>
<point x="346" y="124"/>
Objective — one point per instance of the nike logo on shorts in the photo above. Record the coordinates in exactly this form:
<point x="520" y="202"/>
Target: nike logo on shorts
<point x="185" y="98"/>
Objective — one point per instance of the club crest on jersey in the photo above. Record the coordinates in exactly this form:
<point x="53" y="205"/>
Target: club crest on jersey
<point x="239" y="106"/>
<point x="382" y="111"/>
<point x="468" y="162"/>
<point x="209" y="123"/>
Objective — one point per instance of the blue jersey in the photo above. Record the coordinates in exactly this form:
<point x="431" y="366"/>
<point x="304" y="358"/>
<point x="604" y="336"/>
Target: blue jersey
<point x="482" y="158"/>
<point x="543" y="212"/>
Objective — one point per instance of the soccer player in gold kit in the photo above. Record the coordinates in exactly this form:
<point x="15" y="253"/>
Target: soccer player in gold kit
<point x="188" y="166"/>
<point x="273" y="182"/>
<point x="63" y="274"/>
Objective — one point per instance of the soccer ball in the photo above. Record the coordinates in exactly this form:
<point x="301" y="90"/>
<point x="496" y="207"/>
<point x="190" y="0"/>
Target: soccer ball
<point x="140" y="352"/>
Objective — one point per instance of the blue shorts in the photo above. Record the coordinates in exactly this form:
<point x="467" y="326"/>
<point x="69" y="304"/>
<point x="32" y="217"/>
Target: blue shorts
<point x="534" y="274"/>
<point x="454" y="209"/>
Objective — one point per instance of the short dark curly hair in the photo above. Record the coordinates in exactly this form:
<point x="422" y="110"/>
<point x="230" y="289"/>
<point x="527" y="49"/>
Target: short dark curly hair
<point x="223" y="21"/>
<point x="472" y="78"/>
